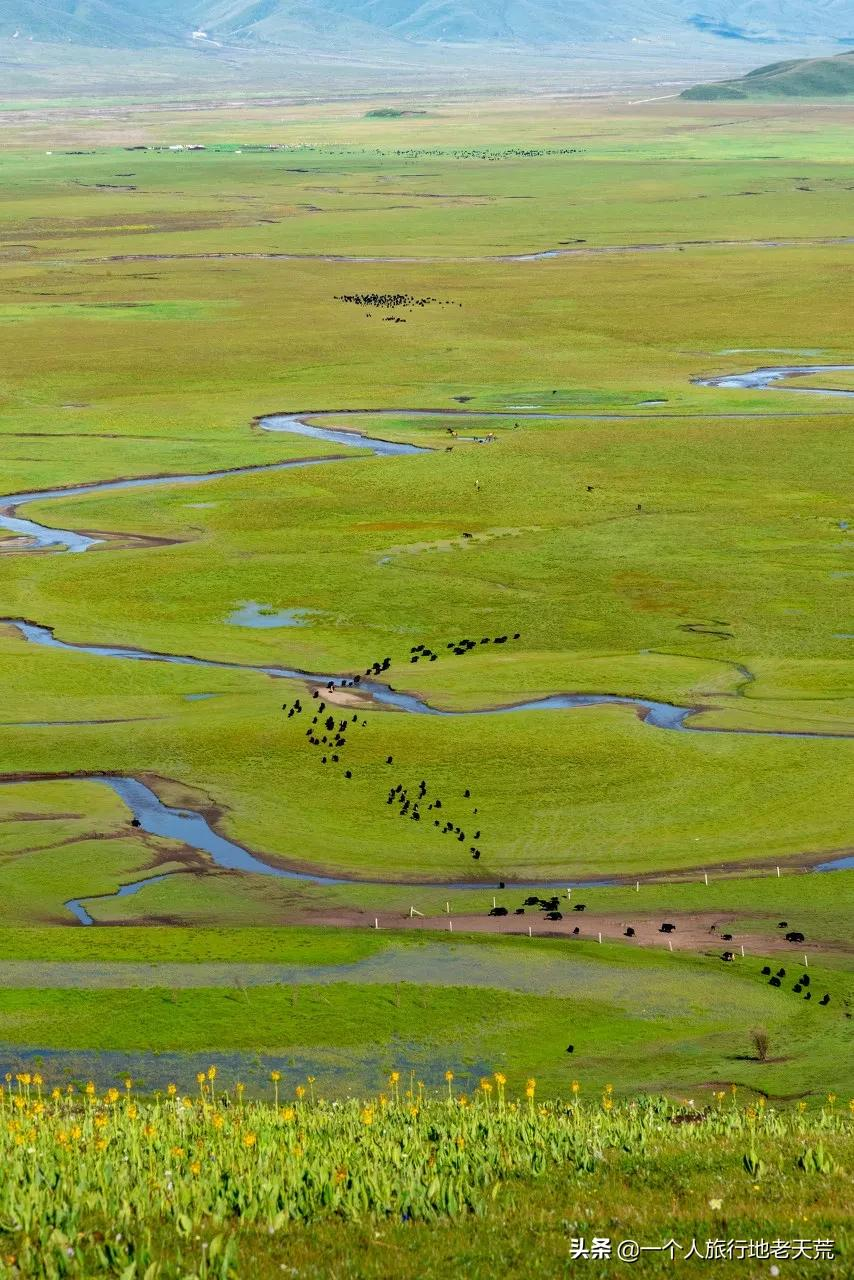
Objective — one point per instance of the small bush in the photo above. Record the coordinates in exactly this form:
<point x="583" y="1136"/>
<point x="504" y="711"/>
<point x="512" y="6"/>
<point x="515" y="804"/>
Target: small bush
<point x="761" y="1044"/>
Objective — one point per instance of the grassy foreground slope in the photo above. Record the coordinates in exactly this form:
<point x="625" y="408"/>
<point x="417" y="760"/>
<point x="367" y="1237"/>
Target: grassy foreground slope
<point x="416" y="1180"/>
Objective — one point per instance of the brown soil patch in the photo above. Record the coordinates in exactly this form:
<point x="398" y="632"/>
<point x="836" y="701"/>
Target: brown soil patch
<point x="346" y="698"/>
<point x="693" y="930"/>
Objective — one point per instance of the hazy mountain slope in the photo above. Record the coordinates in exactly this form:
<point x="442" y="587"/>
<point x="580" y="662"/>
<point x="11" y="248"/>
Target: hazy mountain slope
<point x="116" y="23"/>
<point x="535" y="22"/>
<point x="137" y="23"/>
<point x="802" y="78"/>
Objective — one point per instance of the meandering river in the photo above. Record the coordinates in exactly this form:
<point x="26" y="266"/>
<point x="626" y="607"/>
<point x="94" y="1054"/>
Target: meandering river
<point x="192" y="828"/>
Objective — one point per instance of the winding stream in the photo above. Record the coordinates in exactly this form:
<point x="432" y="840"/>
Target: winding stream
<point x="659" y="715"/>
<point x="42" y="537"/>
<point x="577" y="249"/>
<point x="192" y="828"/>
<point x="766" y="379"/>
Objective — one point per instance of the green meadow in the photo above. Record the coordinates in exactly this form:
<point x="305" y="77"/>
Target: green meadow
<point x="650" y="538"/>
<point x="636" y="1019"/>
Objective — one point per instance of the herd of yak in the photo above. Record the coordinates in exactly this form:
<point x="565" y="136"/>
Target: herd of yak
<point x="327" y="734"/>
<point x="417" y="803"/>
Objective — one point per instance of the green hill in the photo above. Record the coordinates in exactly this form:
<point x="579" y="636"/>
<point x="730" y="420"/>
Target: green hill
<point x="803" y="78"/>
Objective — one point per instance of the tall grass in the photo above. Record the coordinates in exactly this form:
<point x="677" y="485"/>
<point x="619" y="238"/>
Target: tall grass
<point x="75" y="1161"/>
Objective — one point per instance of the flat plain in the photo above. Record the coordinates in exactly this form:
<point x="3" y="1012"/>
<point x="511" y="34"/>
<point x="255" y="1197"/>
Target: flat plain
<point x="567" y="271"/>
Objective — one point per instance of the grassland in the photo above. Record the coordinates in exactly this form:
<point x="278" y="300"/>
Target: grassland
<point x="635" y="1018"/>
<point x="652" y="539"/>
<point x="800" y="78"/>
<point x="221" y="1186"/>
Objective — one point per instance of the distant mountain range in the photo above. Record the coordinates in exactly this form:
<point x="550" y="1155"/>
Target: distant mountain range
<point x="533" y="23"/>
<point x="800" y="78"/>
<point x="305" y="47"/>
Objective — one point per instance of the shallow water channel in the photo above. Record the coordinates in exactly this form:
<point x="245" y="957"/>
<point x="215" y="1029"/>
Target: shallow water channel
<point x="192" y="828"/>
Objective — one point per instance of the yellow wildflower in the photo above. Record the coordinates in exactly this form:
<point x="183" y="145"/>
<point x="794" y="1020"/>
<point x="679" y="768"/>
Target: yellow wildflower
<point x="249" y="1139"/>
